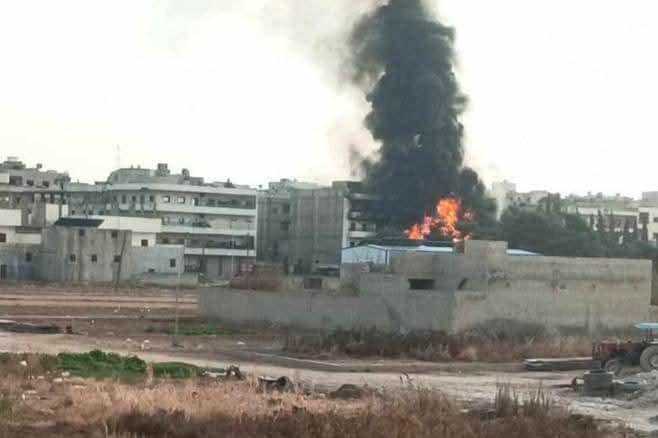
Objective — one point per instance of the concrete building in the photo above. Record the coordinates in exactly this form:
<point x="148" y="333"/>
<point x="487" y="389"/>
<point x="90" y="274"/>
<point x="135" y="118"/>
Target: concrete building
<point x="36" y="193"/>
<point x="79" y="250"/>
<point x="215" y="222"/>
<point x="19" y="246"/>
<point x="275" y="220"/>
<point x="305" y="227"/>
<point x="453" y="292"/>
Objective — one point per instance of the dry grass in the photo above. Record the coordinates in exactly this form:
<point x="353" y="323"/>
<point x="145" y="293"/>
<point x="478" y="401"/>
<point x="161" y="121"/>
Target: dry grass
<point x="204" y="409"/>
<point x="498" y="342"/>
<point x="239" y="409"/>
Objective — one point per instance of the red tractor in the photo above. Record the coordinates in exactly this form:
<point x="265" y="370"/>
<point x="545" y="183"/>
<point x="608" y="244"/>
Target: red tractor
<point x="614" y="355"/>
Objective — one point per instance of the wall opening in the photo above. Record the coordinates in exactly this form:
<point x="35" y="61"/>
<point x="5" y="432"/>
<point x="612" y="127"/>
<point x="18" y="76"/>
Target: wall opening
<point x="28" y="257"/>
<point x="3" y="238"/>
<point x="72" y="258"/>
<point x="117" y="259"/>
<point x="115" y="234"/>
<point x="3" y="272"/>
<point x="94" y="258"/>
<point x="421" y="284"/>
<point x="145" y="242"/>
<point x="172" y="263"/>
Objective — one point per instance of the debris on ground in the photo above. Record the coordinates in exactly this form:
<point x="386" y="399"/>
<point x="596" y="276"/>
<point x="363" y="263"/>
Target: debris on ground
<point x="26" y="327"/>
<point x="348" y="391"/>
<point x="268" y="383"/>
<point x="559" y="364"/>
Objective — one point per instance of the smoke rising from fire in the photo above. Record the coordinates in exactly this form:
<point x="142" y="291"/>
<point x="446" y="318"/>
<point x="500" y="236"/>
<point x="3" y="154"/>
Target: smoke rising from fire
<point x="403" y="58"/>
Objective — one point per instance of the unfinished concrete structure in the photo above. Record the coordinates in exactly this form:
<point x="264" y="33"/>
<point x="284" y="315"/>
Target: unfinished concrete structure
<point x="456" y="291"/>
<point x="79" y="251"/>
<point x="307" y="226"/>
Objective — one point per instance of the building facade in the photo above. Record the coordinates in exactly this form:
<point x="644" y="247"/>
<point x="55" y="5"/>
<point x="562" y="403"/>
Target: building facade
<point x="215" y="222"/>
<point x="305" y="226"/>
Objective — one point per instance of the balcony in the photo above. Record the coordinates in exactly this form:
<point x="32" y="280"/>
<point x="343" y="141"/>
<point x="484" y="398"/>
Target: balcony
<point x="221" y="252"/>
<point x="206" y="231"/>
<point x="361" y="234"/>
<point x="217" y="211"/>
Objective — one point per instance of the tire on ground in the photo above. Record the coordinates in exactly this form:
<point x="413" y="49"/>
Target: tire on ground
<point x="649" y="358"/>
<point x="614" y="366"/>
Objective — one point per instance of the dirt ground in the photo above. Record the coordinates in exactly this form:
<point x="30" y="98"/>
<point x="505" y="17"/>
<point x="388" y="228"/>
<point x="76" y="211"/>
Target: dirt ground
<point x="136" y="321"/>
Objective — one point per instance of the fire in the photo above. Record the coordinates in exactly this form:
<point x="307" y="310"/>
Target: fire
<point x="446" y="218"/>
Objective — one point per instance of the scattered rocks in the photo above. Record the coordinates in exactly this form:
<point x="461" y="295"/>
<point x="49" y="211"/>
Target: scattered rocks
<point x="23" y="363"/>
<point x="66" y="374"/>
<point x="58" y="380"/>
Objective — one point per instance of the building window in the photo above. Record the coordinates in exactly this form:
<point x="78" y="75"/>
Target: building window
<point x="151" y="198"/>
<point x="115" y="234"/>
<point x="286" y="208"/>
<point x="29" y="182"/>
<point x="166" y="199"/>
<point x="28" y="257"/>
<point x="81" y="232"/>
<point x="181" y="220"/>
<point x="165" y="240"/>
<point x="211" y="202"/>
<point x="180" y="200"/>
<point x="181" y="241"/>
<point x="421" y="284"/>
<point x="3" y="238"/>
<point x="124" y="199"/>
<point x="94" y="258"/>
<point x="145" y="242"/>
<point x="172" y="263"/>
<point x="3" y="272"/>
<point x="117" y="259"/>
<point x="285" y="226"/>
<point x="72" y="212"/>
<point x="196" y="202"/>
<point x="134" y="198"/>
<point x="72" y="258"/>
<point x="46" y="184"/>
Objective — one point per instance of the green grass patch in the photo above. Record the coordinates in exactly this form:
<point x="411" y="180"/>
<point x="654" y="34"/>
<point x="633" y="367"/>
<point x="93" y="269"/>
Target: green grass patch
<point x="100" y="365"/>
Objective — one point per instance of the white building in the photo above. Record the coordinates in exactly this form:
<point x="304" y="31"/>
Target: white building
<point x="216" y="222"/>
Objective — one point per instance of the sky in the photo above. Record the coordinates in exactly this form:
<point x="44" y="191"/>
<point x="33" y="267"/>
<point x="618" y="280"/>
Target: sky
<point x="562" y="93"/>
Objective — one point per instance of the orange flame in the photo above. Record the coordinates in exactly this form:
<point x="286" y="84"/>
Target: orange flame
<point x="448" y="213"/>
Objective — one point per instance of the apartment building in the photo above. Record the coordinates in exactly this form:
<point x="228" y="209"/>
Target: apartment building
<point x="305" y="226"/>
<point x="35" y="192"/>
<point x="215" y="222"/>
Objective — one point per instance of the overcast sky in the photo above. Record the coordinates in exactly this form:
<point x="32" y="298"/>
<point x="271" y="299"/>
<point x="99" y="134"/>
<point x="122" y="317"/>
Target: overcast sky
<point x="562" y="92"/>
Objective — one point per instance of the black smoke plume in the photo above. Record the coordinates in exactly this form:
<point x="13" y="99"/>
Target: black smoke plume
<point x="403" y="57"/>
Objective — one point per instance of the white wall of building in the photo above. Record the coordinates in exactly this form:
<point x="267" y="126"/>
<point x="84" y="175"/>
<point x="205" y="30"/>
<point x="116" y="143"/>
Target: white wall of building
<point x="10" y="217"/>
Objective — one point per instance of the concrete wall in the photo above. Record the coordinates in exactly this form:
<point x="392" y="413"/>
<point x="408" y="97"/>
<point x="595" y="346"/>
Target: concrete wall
<point x="60" y="243"/>
<point x="318" y="227"/>
<point x="463" y="291"/>
<point x="322" y="311"/>
<point x="158" y="259"/>
<point x="21" y="261"/>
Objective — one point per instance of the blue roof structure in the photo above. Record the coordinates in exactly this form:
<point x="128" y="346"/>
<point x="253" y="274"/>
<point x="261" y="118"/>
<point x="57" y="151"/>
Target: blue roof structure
<point x="647" y="326"/>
